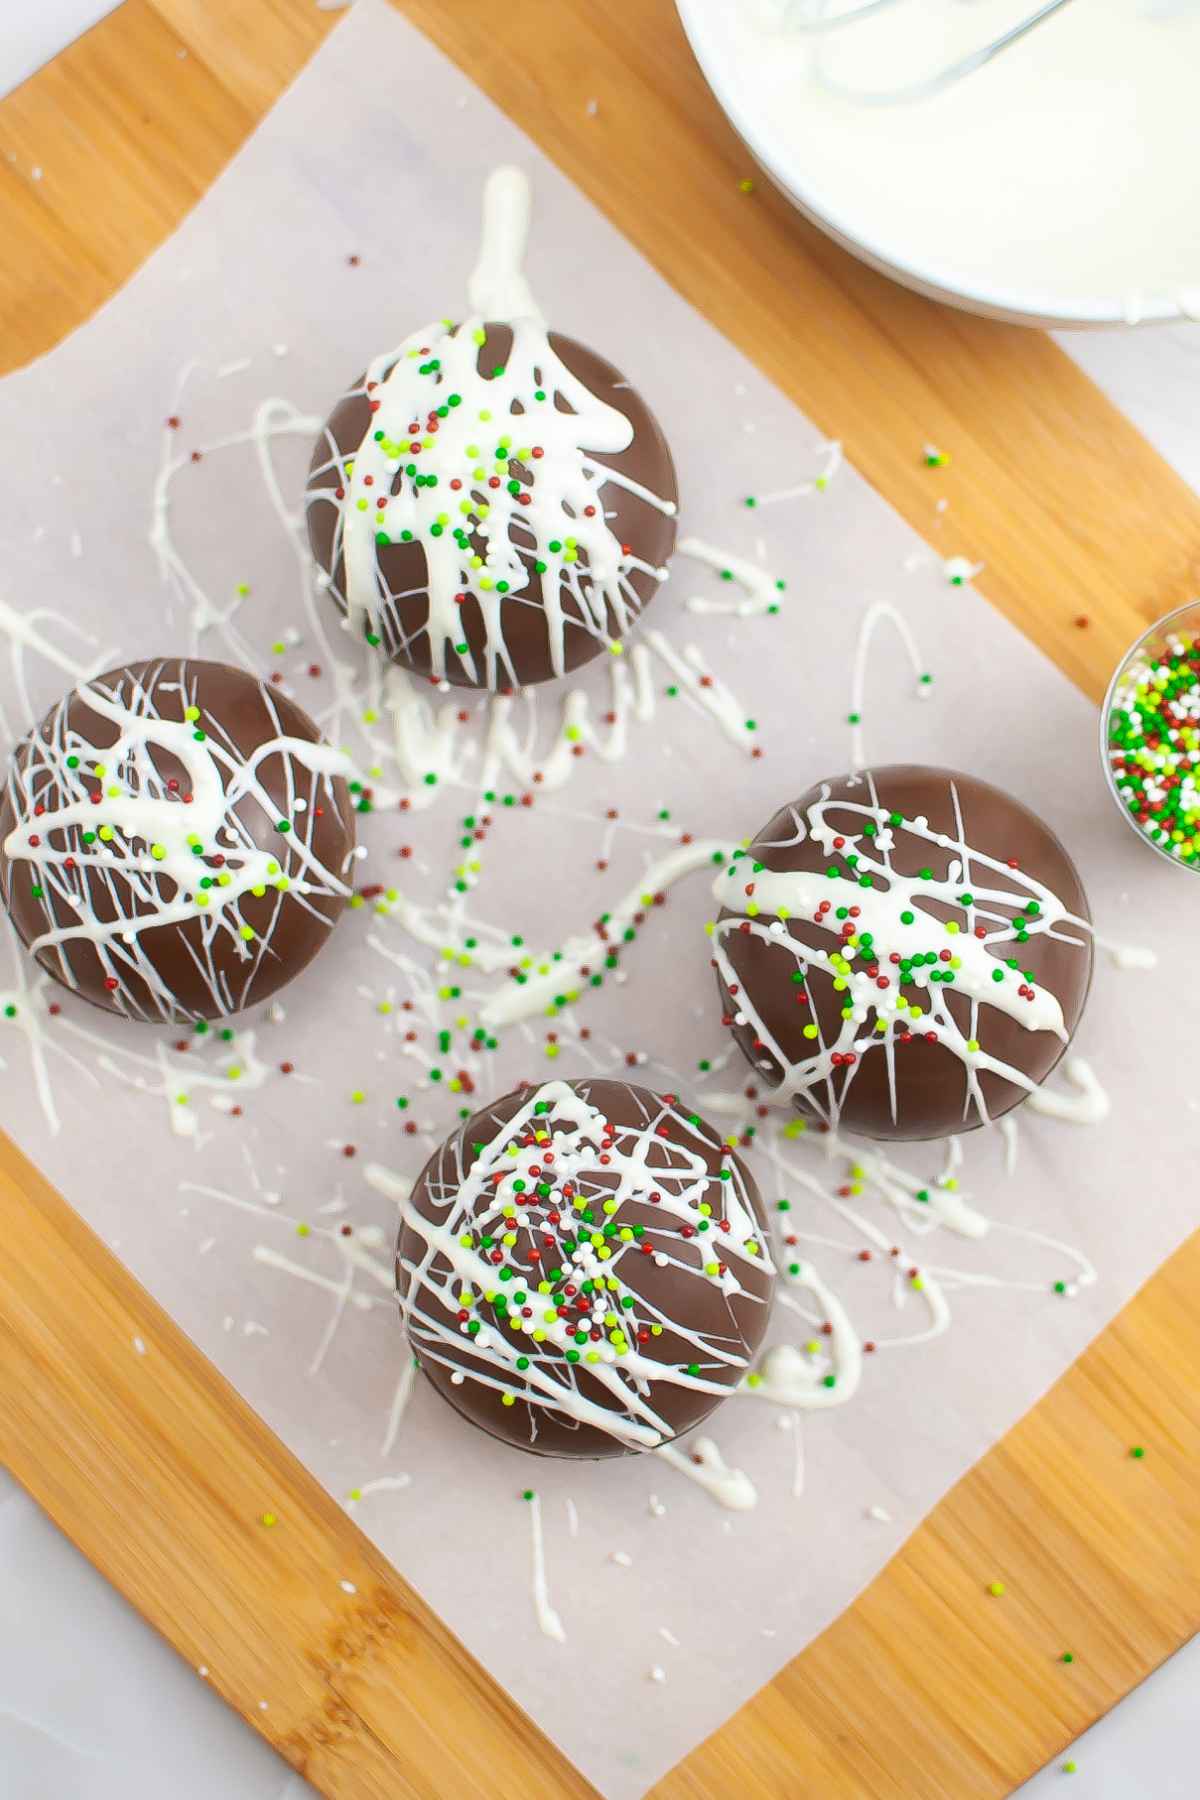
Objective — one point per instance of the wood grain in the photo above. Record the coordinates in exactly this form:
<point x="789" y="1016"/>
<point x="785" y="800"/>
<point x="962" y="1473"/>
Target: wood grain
<point x="926" y="1687"/>
<point x="151" y="1463"/>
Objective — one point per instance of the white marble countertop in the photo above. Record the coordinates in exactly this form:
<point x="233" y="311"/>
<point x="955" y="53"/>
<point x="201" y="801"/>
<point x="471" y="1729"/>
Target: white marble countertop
<point x="94" y="1706"/>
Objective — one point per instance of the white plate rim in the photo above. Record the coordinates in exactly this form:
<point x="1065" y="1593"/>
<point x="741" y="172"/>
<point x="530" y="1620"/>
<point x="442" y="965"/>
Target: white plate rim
<point x="1018" y="306"/>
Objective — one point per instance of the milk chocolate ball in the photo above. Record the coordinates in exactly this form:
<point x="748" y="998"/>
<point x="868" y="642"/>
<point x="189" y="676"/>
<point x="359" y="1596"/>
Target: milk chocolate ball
<point x="492" y="507"/>
<point x="176" y="841"/>
<point x="583" y="1269"/>
<point x="904" y="953"/>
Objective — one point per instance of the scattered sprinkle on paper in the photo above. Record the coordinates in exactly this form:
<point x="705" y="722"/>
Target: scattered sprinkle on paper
<point x="959" y="570"/>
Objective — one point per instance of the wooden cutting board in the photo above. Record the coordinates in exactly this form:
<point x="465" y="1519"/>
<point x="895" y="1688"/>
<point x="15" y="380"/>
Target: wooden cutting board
<point x="925" y="1687"/>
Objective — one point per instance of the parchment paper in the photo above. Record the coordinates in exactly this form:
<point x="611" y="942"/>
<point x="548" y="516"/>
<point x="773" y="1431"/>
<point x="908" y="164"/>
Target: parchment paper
<point x="378" y="153"/>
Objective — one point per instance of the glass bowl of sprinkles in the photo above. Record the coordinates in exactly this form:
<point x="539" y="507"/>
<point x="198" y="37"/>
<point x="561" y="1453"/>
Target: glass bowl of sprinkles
<point x="1150" y="736"/>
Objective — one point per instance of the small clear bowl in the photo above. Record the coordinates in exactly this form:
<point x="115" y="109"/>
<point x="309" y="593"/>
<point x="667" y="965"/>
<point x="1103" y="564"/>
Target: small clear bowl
<point x="1161" y="636"/>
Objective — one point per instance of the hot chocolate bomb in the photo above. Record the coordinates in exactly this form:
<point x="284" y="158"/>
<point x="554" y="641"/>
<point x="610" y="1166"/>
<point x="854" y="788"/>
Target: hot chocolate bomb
<point x="904" y="953"/>
<point x="460" y="522"/>
<point x="583" y="1269"/>
<point x="175" y="840"/>
<point x="491" y="502"/>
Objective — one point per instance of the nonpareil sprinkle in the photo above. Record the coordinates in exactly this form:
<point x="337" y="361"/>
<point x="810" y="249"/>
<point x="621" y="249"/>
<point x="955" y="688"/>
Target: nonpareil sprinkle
<point x="1153" y="736"/>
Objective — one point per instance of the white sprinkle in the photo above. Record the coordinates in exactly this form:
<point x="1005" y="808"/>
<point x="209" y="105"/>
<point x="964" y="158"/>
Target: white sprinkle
<point x="140" y="1346"/>
<point x="253" y="1329"/>
<point x="36" y="172"/>
<point x="668" y="1637"/>
<point x="279" y="349"/>
<point x="592" y="108"/>
<point x="879" y="1513"/>
<point x="657" y="1509"/>
<point x="768" y="1631"/>
<point x="347" y="1587"/>
<point x="572" y="1518"/>
<point x="262" y="1706"/>
<point x="958" y="570"/>
<point x="622" y="1558"/>
<point x="202" y="1671"/>
<point x="233" y="368"/>
<point x="657" y="1673"/>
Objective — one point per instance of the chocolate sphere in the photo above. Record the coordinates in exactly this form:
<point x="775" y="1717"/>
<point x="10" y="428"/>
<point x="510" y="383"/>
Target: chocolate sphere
<point x="904" y="952"/>
<point x="583" y="1269"/>
<point x="175" y="840"/>
<point x="493" y="505"/>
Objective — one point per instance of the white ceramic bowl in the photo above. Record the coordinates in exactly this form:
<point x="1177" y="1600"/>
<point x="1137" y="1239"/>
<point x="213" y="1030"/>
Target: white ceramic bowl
<point x="716" y="31"/>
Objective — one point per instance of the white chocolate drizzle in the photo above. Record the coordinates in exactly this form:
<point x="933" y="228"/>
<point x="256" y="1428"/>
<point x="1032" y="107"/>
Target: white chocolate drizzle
<point x="703" y="1464"/>
<point x="105" y="824"/>
<point x="549" y="1623"/>
<point x="1083" y="1102"/>
<point x="470" y="1200"/>
<point x="533" y="429"/>
<point x="889" y="917"/>
<point x="882" y="612"/>
<point x="760" y="588"/>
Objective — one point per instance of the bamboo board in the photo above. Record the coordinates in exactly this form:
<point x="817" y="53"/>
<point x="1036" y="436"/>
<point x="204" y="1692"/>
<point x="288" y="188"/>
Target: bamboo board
<point x="924" y="1687"/>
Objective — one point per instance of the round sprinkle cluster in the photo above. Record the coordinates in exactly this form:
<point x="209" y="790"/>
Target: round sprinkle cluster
<point x="1154" y="745"/>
